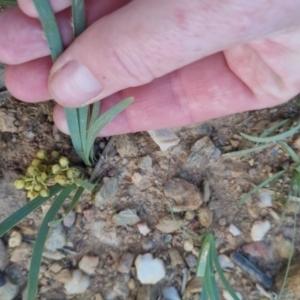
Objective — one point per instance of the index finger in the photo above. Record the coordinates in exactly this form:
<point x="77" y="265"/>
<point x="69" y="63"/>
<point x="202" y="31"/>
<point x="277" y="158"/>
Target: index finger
<point x="28" y="7"/>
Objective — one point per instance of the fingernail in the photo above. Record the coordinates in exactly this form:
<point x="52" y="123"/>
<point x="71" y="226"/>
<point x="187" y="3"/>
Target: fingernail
<point x="74" y="85"/>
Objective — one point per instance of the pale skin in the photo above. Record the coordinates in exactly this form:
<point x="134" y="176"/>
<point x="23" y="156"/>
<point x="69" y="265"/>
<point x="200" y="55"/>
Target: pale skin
<point x="184" y="61"/>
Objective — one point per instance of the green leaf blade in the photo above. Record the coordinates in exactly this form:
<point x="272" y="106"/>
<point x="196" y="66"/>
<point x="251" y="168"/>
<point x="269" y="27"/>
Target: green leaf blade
<point x="203" y="293"/>
<point x="83" y="113"/>
<point x="273" y="128"/>
<point x="209" y="277"/>
<point x="24" y="211"/>
<point x="275" y="138"/>
<point x="50" y="27"/>
<point x="202" y="259"/>
<point x="99" y="124"/>
<point x="38" y="248"/>
<point x="71" y="207"/>
<point x="78" y="14"/>
<point x="74" y="129"/>
<point x="220" y="272"/>
<point x="261" y="185"/>
<point x="95" y="111"/>
<point x="247" y="151"/>
<point x="290" y="151"/>
<point x="85" y="184"/>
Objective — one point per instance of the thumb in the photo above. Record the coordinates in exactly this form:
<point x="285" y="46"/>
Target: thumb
<point x="145" y="40"/>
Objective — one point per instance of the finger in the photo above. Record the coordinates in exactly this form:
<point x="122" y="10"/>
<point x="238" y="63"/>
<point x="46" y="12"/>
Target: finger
<point x="28" y="7"/>
<point x="148" y="39"/>
<point x="268" y="66"/>
<point x="22" y="38"/>
<point x="28" y="81"/>
<point x="204" y="90"/>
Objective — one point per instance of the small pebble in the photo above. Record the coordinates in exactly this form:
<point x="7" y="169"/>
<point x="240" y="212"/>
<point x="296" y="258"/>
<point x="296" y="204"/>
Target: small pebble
<point x="77" y="284"/>
<point x="56" y="238"/>
<point x="213" y="205"/>
<point x="126" y="217"/>
<point x="88" y="214"/>
<point x="98" y="297"/>
<point x="222" y="221"/>
<point x="143" y="228"/>
<point x="265" y="199"/>
<point x="8" y="290"/>
<point x="21" y="253"/>
<point x="190" y="215"/>
<point x="55" y="268"/>
<point x="2" y="281"/>
<point x="131" y="284"/>
<point x="63" y="276"/>
<point x="205" y="216"/>
<point x="88" y="264"/>
<point x="4" y="259"/>
<point x="149" y="270"/>
<point x="164" y="138"/>
<point x="170" y="293"/>
<point x="166" y="224"/>
<point x="227" y="296"/>
<point x="285" y="248"/>
<point x="234" y="230"/>
<point x="191" y="261"/>
<point x="15" y="239"/>
<point x="259" y="230"/>
<point x="256" y="249"/>
<point x="69" y="219"/>
<point x="126" y="262"/>
<point x="188" y="245"/>
<point x="175" y="257"/>
<point x="225" y="262"/>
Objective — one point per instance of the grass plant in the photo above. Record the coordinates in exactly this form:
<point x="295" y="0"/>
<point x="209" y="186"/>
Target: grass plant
<point x="84" y="126"/>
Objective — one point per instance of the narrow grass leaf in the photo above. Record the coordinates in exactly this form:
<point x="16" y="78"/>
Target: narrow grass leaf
<point x="83" y="113"/>
<point x="85" y="184"/>
<point x="99" y="124"/>
<point x="78" y="14"/>
<point x="261" y="185"/>
<point x="290" y="151"/>
<point x="220" y="272"/>
<point x="203" y="293"/>
<point x="273" y="128"/>
<point x="95" y="113"/>
<point x="74" y="129"/>
<point x="202" y="257"/>
<point x="33" y="275"/>
<point x="24" y="211"/>
<point x="71" y="207"/>
<point x="209" y="279"/>
<point x="247" y="151"/>
<point x="50" y="27"/>
<point x="53" y="36"/>
<point x="290" y="256"/>
<point x="275" y="138"/>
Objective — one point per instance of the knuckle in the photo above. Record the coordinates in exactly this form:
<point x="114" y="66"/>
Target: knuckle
<point x="131" y="67"/>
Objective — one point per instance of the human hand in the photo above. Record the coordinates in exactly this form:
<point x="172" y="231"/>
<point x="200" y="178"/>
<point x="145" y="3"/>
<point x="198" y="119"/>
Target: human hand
<point x="182" y="61"/>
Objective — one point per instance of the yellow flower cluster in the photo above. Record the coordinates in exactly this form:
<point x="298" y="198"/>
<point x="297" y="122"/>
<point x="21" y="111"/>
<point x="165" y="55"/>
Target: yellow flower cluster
<point x="44" y="171"/>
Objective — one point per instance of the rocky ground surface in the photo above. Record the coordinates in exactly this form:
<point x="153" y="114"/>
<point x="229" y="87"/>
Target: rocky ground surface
<point x="123" y="243"/>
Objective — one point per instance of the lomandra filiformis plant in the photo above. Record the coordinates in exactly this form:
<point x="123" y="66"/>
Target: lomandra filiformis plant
<point x="51" y="175"/>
